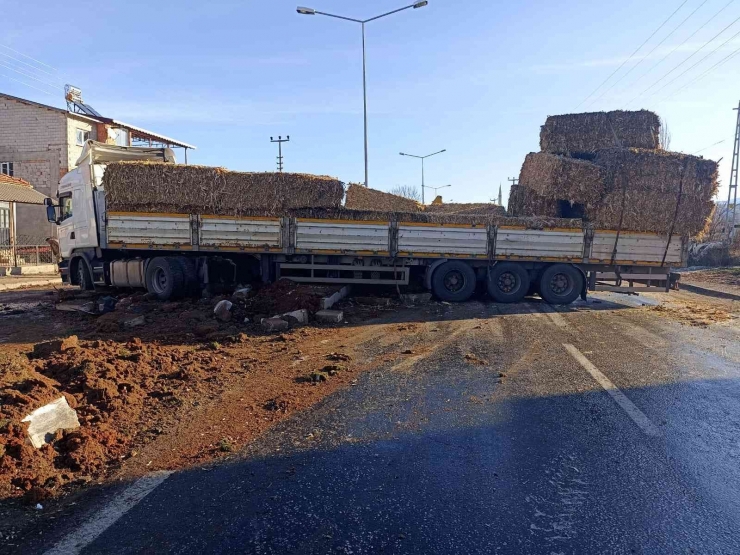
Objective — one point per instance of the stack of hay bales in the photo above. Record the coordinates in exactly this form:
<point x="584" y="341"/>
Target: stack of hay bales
<point x="161" y="187"/>
<point x="360" y="197"/>
<point x="465" y="209"/>
<point x="609" y="169"/>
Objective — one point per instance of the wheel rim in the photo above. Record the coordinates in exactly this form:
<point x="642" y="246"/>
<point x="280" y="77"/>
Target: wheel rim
<point x="508" y="282"/>
<point x="159" y="281"/>
<point x="454" y="281"/>
<point x="561" y="285"/>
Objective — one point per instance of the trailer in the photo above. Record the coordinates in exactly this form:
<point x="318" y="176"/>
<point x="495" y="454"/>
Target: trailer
<point x="174" y="254"/>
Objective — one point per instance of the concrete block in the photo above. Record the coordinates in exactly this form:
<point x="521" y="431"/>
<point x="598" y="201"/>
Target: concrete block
<point x="328" y="302"/>
<point x="301" y="316"/>
<point x="274" y="325"/>
<point x="330" y="316"/>
<point x="48" y="419"/>
<point x="135" y="322"/>
<point x="222" y="310"/>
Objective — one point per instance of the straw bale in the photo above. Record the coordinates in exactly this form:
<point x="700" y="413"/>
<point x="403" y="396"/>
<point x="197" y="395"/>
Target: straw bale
<point x="360" y="197"/>
<point x="157" y="186"/>
<point x="523" y="202"/>
<point x="582" y="134"/>
<point x="461" y="209"/>
<point x="550" y="175"/>
<point x="649" y="184"/>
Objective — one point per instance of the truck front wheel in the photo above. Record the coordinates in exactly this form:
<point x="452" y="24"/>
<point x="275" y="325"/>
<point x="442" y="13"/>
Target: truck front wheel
<point x="561" y="284"/>
<point x="454" y="281"/>
<point x="84" y="280"/>
<point x="165" y="278"/>
<point x="508" y="282"/>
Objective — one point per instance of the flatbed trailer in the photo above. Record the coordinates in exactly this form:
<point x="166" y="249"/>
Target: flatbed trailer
<point x="170" y="254"/>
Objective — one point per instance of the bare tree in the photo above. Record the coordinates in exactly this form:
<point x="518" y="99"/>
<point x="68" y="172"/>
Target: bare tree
<point x="407" y="191"/>
<point x="665" y="136"/>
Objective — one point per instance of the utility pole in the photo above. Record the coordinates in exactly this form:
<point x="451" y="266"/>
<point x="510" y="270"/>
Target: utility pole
<point x="514" y="181"/>
<point x="280" y="142"/>
<point x="732" y="195"/>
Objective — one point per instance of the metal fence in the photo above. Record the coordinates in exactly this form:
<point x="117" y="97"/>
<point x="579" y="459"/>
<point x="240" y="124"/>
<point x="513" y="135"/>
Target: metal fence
<point x="26" y="250"/>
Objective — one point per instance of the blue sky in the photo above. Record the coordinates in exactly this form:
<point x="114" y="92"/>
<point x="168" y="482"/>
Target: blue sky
<point x="475" y="77"/>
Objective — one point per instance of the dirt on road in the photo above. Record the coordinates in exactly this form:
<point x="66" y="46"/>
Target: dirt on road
<point x="180" y="388"/>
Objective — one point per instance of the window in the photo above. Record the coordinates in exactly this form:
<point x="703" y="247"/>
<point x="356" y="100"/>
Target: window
<point x="65" y="208"/>
<point x="82" y="136"/>
<point x="6" y="168"/>
<point x="4" y="215"/>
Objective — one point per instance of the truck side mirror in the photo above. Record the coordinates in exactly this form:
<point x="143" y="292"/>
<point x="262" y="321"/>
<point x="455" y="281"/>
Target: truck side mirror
<point x="51" y="213"/>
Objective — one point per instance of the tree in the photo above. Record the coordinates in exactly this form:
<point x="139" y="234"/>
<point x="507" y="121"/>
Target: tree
<point x="665" y="136"/>
<point x="407" y="191"/>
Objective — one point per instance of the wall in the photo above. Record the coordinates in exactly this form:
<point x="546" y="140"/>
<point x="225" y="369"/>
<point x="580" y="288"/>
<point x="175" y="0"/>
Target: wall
<point x="73" y="124"/>
<point x="34" y="138"/>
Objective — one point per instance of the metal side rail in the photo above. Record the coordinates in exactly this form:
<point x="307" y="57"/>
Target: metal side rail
<point x="632" y="282"/>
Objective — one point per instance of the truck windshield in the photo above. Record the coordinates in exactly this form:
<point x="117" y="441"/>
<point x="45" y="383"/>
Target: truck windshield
<point x="65" y="208"/>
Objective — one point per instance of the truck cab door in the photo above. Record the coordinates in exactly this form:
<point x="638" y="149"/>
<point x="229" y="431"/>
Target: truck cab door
<point x="81" y="217"/>
<point x="66" y="232"/>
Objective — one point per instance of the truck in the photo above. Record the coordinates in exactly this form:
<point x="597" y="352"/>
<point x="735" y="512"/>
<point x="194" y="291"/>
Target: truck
<point x="173" y="254"/>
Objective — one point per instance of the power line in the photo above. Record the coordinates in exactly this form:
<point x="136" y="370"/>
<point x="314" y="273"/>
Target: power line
<point x="687" y="39"/>
<point x="715" y="66"/>
<point x="26" y="74"/>
<point x="686" y="60"/>
<point x="649" y="53"/>
<point x="631" y="55"/>
<point x="29" y="65"/>
<point x="29" y="57"/>
<point x="24" y="83"/>
<point x="708" y="147"/>
<point x="669" y="35"/>
<point x="696" y="64"/>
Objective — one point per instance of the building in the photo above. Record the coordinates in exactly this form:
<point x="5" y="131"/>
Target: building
<point x="15" y="192"/>
<point x="40" y="143"/>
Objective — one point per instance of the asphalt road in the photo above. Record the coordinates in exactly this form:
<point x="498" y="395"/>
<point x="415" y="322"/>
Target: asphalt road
<point x="518" y="448"/>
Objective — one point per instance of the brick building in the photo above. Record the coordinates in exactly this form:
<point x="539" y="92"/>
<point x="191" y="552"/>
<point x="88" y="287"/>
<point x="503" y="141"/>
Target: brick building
<point x="40" y="143"/>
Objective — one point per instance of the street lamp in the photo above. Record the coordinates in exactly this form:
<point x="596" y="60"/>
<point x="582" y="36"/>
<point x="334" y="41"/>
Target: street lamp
<point x="422" y="158"/>
<point x="437" y="188"/>
<point x="310" y="11"/>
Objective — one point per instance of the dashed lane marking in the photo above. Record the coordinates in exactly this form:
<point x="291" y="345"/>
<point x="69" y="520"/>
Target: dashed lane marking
<point x="554" y="316"/>
<point x="76" y="541"/>
<point x="620" y="398"/>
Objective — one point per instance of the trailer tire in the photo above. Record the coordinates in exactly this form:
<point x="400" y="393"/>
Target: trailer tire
<point x="190" y="287"/>
<point x="84" y="279"/>
<point x="165" y="278"/>
<point x="561" y="284"/>
<point x="508" y="282"/>
<point x="454" y="281"/>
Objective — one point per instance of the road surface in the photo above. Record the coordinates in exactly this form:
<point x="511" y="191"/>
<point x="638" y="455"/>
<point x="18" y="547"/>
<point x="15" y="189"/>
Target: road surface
<point x="600" y="428"/>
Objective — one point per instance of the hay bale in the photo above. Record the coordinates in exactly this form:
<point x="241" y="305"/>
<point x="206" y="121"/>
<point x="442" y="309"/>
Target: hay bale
<point x="462" y="209"/>
<point x="649" y="184"/>
<point x="523" y="202"/>
<point x="581" y="135"/>
<point x="360" y="197"/>
<point x="553" y="176"/>
<point x="161" y="187"/>
<point x="534" y="222"/>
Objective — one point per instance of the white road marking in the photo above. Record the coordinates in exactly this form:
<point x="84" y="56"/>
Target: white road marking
<point x="621" y="399"/>
<point x="76" y="541"/>
<point x="554" y="317"/>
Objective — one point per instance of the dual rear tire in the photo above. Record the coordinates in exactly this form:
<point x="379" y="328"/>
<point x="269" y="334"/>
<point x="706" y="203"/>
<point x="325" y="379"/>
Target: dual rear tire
<point x="508" y="282"/>
<point x="170" y="277"/>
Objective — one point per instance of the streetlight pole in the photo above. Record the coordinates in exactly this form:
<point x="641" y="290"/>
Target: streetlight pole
<point x="422" y="158"/>
<point x="438" y="188"/>
<point x="311" y="11"/>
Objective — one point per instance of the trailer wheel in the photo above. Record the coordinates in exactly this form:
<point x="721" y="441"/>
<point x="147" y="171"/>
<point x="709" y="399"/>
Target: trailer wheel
<point x="454" y="281"/>
<point x="560" y="284"/>
<point x="165" y="278"/>
<point x="190" y="286"/>
<point x="84" y="280"/>
<point x="508" y="282"/>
